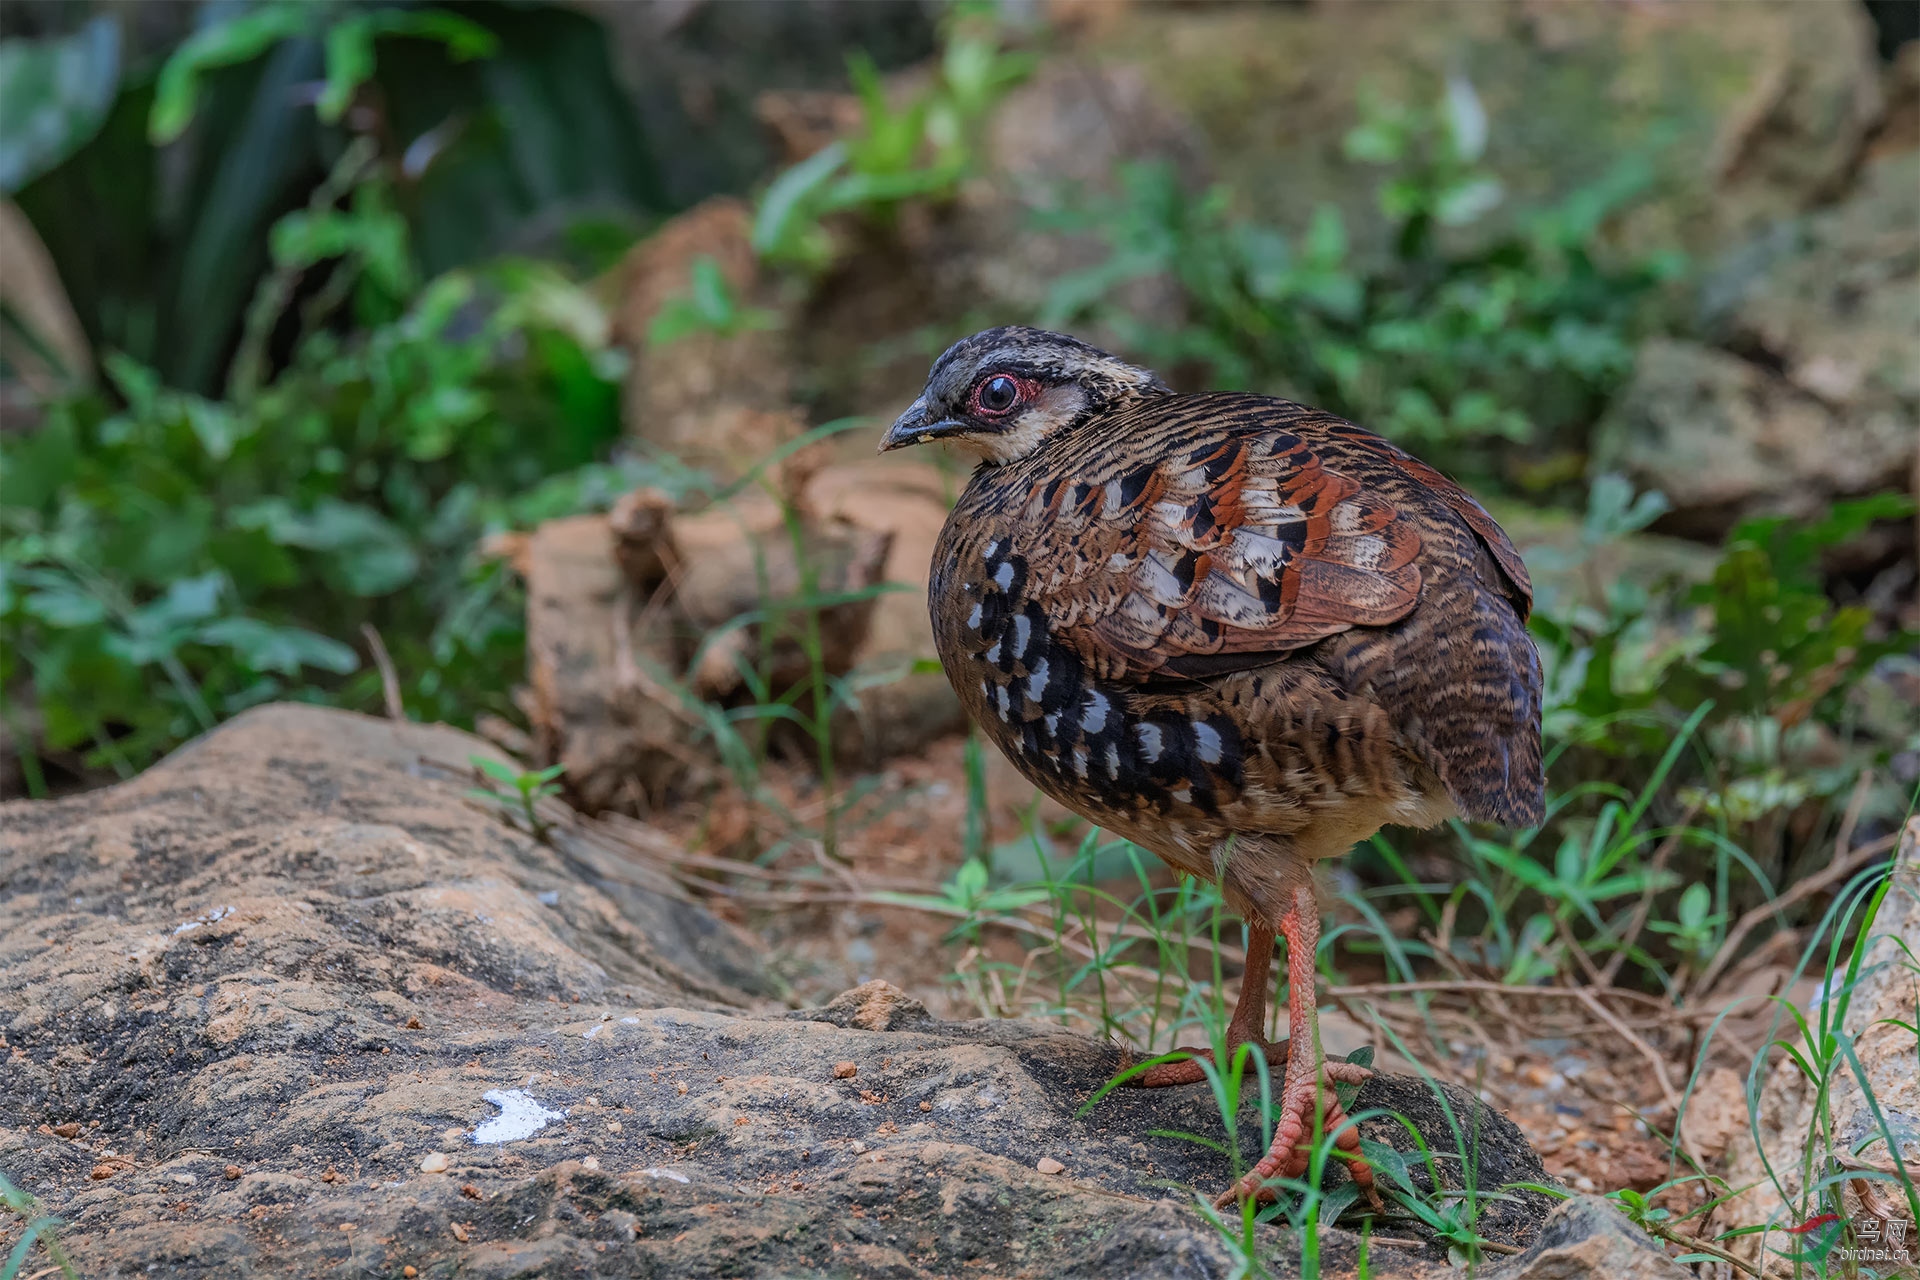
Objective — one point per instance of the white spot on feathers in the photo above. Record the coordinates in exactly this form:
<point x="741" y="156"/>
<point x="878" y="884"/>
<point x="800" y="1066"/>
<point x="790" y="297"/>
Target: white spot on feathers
<point x="1003" y="576"/>
<point x="1208" y="739"/>
<point x="1094" y="719"/>
<point x="1037" y="681"/>
<point x="1149" y="735"/>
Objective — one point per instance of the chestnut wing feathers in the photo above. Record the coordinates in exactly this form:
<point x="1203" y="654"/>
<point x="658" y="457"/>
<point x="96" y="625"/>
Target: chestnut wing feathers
<point x="1239" y="544"/>
<point x="1201" y="535"/>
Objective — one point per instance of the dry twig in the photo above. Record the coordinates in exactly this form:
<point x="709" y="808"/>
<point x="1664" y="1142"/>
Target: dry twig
<point x="1840" y="869"/>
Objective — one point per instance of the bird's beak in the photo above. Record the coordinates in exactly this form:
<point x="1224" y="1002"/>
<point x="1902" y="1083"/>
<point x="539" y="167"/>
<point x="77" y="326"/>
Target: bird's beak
<point x="913" y="427"/>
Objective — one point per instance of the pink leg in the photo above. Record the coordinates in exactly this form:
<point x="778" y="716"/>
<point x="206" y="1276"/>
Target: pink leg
<point x="1247" y="1026"/>
<point x="1309" y="1079"/>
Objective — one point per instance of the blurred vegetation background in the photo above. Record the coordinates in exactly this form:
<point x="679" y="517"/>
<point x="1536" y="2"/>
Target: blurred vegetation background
<point x="313" y="311"/>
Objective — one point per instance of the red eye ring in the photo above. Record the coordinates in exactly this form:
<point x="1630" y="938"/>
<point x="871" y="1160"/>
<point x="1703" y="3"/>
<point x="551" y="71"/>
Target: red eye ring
<point x="989" y="398"/>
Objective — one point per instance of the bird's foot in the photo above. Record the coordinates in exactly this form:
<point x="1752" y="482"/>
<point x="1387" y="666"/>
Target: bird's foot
<point x="1289" y="1155"/>
<point x="1165" y="1074"/>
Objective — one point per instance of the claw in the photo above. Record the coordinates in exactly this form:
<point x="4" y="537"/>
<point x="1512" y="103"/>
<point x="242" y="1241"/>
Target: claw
<point x="1288" y="1157"/>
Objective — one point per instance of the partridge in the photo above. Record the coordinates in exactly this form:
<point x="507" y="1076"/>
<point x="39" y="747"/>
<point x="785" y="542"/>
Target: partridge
<point x="1240" y="632"/>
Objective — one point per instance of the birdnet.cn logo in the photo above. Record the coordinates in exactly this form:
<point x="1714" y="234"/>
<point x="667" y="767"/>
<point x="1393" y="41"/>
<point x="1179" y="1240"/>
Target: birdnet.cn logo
<point x="1877" y="1241"/>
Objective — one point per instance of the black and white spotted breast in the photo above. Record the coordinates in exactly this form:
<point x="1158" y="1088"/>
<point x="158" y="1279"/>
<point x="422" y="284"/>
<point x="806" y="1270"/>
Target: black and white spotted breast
<point x="1123" y="749"/>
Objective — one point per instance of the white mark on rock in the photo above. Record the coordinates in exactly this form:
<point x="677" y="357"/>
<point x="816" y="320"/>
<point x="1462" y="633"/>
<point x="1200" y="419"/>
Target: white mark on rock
<point x="592" y="1031"/>
<point x="671" y="1174"/>
<point x="631" y="1021"/>
<point x="549" y="897"/>
<point x="520" y="1117"/>
<point x="214" y="916"/>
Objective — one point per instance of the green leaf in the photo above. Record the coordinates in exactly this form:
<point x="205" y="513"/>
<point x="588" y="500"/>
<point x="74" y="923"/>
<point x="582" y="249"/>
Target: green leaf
<point x="1693" y="905"/>
<point x="372" y="556"/>
<point x="349" y="65"/>
<point x="54" y="96"/>
<point x="1386" y="1160"/>
<point x="784" y="205"/>
<point x="1466" y="119"/>
<point x="225" y="43"/>
<point x="65" y="607"/>
<point x="498" y="770"/>
<point x="264" y="647"/>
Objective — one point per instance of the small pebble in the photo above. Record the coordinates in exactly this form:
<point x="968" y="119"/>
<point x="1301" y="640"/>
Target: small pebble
<point x="470" y="1191"/>
<point x="71" y="1129"/>
<point x="845" y="1070"/>
<point x="435" y="1162"/>
<point x="613" y="1126"/>
<point x="409" y="1272"/>
<point x="591" y="1162"/>
<point x="460" y="1232"/>
<point x="233" y="1173"/>
<point x="926" y="1106"/>
<point x="1047" y="1164"/>
<point x="101" y="1172"/>
<point x="1585" y="1184"/>
<point x="185" y="1179"/>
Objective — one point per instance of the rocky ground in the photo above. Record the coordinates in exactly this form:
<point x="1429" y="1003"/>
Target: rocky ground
<point x="293" y="1004"/>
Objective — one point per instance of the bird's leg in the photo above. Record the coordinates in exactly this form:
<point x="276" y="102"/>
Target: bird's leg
<point x="1309" y="1079"/>
<point x="1246" y="1026"/>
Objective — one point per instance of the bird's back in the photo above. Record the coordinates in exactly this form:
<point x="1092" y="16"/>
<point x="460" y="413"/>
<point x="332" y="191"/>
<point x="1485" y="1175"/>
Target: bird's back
<point x="1220" y="614"/>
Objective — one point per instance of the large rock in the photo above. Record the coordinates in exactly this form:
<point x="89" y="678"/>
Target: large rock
<point x="290" y="1004"/>
<point x="1810" y="390"/>
<point x="1746" y="111"/>
<point x="1839" y="1120"/>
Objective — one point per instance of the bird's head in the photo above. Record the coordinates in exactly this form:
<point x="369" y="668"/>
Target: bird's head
<point x="1003" y="391"/>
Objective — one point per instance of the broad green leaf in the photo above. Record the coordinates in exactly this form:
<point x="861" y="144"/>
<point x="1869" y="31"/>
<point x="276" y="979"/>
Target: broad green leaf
<point x="54" y="96"/>
<point x="265" y="647"/>
<point x="65" y="607"/>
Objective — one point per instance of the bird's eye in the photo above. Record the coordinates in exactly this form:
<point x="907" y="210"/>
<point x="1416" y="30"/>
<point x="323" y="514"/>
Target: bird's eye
<point x="998" y="394"/>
